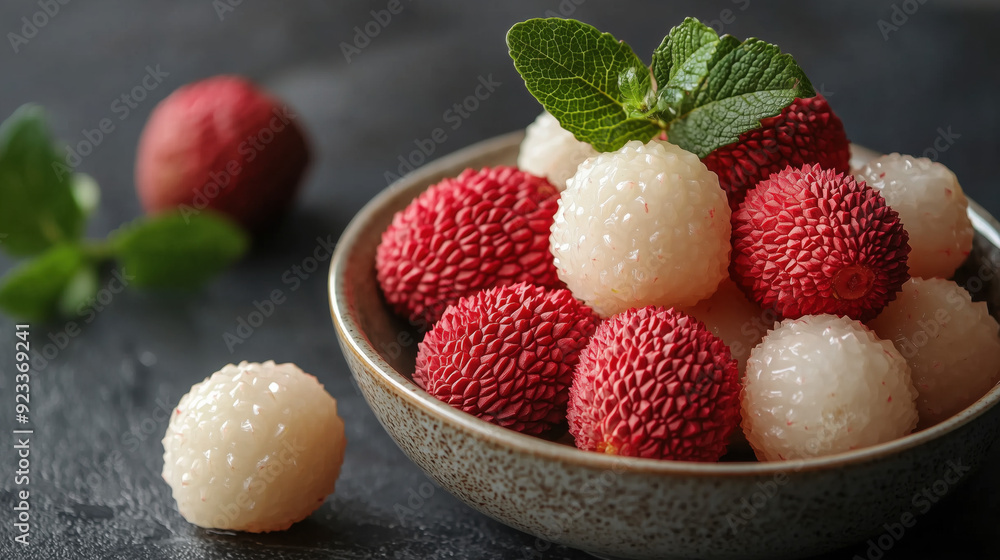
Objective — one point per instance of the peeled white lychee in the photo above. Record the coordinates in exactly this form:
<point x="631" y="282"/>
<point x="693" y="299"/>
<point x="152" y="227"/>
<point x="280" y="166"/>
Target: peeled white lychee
<point x="731" y="316"/>
<point x="823" y="384"/>
<point x="255" y="447"/>
<point x="951" y="343"/>
<point x="549" y="150"/>
<point x="646" y="225"/>
<point x="932" y="207"/>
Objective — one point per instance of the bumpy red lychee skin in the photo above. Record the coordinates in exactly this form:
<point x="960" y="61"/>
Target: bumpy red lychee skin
<point x="807" y="131"/>
<point x="223" y="144"/>
<point x="655" y="383"/>
<point x="808" y="241"/>
<point x="506" y="355"/>
<point x="481" y="229"/>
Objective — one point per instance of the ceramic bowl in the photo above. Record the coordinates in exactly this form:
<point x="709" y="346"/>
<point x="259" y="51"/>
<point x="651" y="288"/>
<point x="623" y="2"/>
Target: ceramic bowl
<point x="617" y="507"/>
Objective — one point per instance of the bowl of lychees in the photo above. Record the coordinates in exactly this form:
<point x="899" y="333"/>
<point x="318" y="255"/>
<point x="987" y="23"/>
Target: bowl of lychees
<point x="679" y="315"/>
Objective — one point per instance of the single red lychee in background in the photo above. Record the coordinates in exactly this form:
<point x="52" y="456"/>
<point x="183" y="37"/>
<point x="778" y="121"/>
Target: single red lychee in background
<point x="507" y="355"/>
<point x="655" y="383"/>
<point x="808" y="241"/>
<point x="807" y="131"/>
<point x="481" y="229"/>
<point x="222" y="144"/>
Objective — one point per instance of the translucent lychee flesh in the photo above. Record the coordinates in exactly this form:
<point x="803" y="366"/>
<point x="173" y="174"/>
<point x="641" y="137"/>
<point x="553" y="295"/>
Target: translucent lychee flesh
<point x="824" y="384"/>
<point x="739" y="322"/>
<point x="950" y="342"/>
<point x="646" y="225"/>
<point x="255" y="447"/>
<point x="932" y="207"/>
<point x="549" y="150"/>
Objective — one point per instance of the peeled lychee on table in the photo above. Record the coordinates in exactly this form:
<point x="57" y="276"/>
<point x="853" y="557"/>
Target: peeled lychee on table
<point x="225" y="145"/>
<point x="822" y="384"/>
<point x="811" y="241"/>
<point x="655" y="383"/>
<point x="807" y="131"/>
<point x="255" y="447"/>
<point x="932" y="207"/>
<point x="506" y="355"/>
<point x="481" y="229"/>
<point x="646" y="225"/>
<point x="951" y="343"/>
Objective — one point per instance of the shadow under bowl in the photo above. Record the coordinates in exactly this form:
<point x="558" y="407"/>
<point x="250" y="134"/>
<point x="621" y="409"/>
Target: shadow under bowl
<point x="620" y="507"/>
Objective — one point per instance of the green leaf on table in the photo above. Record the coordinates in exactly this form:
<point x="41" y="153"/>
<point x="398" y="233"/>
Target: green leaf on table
<point x="173" y="250"/>
<point x="34" y="289"/>
<point x="751" y="82"/>
<point x="37" y="206"/>
<point x="575" y="71"/>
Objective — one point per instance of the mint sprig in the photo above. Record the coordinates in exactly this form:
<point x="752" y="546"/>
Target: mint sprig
<point x="575" y="71"/>
<point x="43" y="212"/>
<point x="701" y="89"/>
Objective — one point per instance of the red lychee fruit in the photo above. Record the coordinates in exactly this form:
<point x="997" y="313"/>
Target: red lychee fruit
<point x="481" y="229"/>
<point x="507" y="355"/>
<point x="223" y="144"/>
<point x="808" y="241"/>
<point x="807" y="131"/>
<point x="655" y="383"/>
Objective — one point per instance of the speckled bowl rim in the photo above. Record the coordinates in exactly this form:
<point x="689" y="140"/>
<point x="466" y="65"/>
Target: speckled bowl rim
<point x="984" y="223"/>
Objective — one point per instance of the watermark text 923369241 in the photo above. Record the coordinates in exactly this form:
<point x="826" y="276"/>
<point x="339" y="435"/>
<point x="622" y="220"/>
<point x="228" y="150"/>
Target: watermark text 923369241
<point x="22" y="435"/>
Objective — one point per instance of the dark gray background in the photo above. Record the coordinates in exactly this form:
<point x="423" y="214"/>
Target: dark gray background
<point x="96" y="488"/>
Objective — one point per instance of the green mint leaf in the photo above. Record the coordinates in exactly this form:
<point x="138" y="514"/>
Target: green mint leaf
<point x="680" y="45"/>
<point x="751" y="82"/>
<point x="575" y="71"/>
<point x="34" y="289"/>
<point x="177" y="250"/>
<point x="37" y="206"/>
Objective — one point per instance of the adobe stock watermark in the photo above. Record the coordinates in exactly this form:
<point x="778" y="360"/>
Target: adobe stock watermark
<point x="454" y="116"/>
<point x="898" y="17"/>
<point x="921" y="503"/>
<point x="727" y="16"/>
<point x="121" y="107"/>
<point x="409" y="514"/>
<point x="566" y="8"/>
<point x="223" y="7"/>
<point x="365" y="33"/>
<point x="747" y="507"/>
<point x="248" y="150"/>
<point x="931" y="325"/>
<point x="592" y="491"/>
<point x="292" y="279"/>
<point x="31" y="25"/>
<point x="944" y="140"/>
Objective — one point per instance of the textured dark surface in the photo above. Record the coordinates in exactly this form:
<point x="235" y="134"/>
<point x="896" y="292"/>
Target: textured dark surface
<point x="99" y="406"/>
